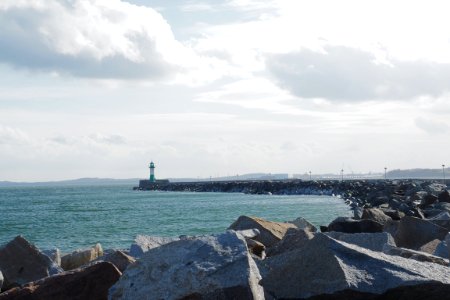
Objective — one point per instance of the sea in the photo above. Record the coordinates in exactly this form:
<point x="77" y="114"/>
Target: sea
<point x="74" y="217"/>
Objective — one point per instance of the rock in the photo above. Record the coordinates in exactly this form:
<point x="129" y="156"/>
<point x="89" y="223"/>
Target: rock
<point x="349" y="225"/>
<point x="54" y="254"/>
<point x="412" y="254"/>
<point x="444" y="196"/>
<point x="430" y="247"/>
<point x="372" y="241"/>
<point x="413" y="233"/>
<point x="443" y="206"/>
<point x="249" y="233"/>
<point x="394" y="214"/>
<point x="270" y="232"/>
<point x="119" y="259"/>
<point x="79" y="258"/>
<point x="302" y="223"/>
<point x="143" y="243"/>
<point x="435" y="188"/>
<point x="428" y="200"/>
<point x="442" y="250"/>
<point x="424" y="291"/>
<point x="323" y="228"/>
<point x="22" y="262"/>
<point x="447" y="241"/>
<point x="205" y="267"/>
<point x="256" y="248"/>
<point x="294" y="239"/>
<point x="325" y="266"/>
<point x="357" y="213"/>
<point x="1" y="281"/>
<point x="376" y="215"/>
<point x="90" y="283"/>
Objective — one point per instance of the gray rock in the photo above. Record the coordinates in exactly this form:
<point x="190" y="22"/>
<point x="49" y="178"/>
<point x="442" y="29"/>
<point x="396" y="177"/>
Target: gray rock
<point x="118" y="259"/>
<point x="294" y="239"/>
<point x="428" y="200"/>
<point x="22" y="262"/>
<point x="1" y="281"/>
<point x="206" y="267"/>
<point x="436" y="188"/>
<point x="413" y="254"/>
<point x="372" y="241"/>
<point x="350" y="225"/>
<point x="447" y="241"/>
<point x="302" y="223"/>
<point x="442" y="250"/>
<point x="444" y="206"/>
<point x="430" y="247"/>
<point x="143" y="243"/>
<point x="256" y="248"/>
<point x="249" y="233"/>
<point x="325" y="266"/>
<point x="376" y="215"/>
<point x="54" y="254"/>
<point x="357" y="213"/>
<point x="270" y="232"/>
<point x="444" y="196"/>
<point x="394" y="214"/>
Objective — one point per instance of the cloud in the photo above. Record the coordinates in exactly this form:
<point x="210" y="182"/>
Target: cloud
<point x="88" y="38"/>
<point x="432" y="126"/>
<point x="114" y="139"/>
<point x="343" y="73"/>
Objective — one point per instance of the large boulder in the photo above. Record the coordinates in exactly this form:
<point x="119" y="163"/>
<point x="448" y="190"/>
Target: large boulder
<point x="444" y="196"/>
<point x="442" y="250"/>
<point x="428" y="200"/>
<point x="394" y="214"/>
<point x="430" y="247"/>
<point x="204" y="267"/>
<point x="90" y="283"/>
<point x="349" y="225"/>
<point x="22" y="262"/>
<point x="374" y="241"/>
<point x="326" y="266"/>
<point x="413" y="233"/>
<point x="117" y="258"/>
<point x="293" y="239"/>
<point x="442" y="219"/>
<point x="79" y="258"/>
<point x="304" y="224"/>
<point x="143" y="243"/>
<point x="376" y="215"/>
<point x="270" y="232"/>
<point x="54" y="254"/>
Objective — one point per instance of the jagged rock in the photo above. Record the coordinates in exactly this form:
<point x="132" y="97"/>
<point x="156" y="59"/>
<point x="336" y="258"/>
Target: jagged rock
<point x="376" y="215"/>
<point x="302" y="223"/>
<point x="79" y="258"/>
<point x="349" y="225"/>
<point x="419" y="195"/>
<point x="206" y="267"/>
<point x="428" y="200"/>
<point x="430" y="247"/>
<point x="443" y="206"/>
<point x="256" y="248"/>
<point x="413" y="254"/>
<point x="442" y="219"/>
<point x="90" y="283"/>
<point x="444" y="196"/>
<point x="325" y="266"/>
<point x="22" y="262"/>
<point x="293" y="239"/>
<point x="143" y="243"/>
<point x="249" y="233"/>
<point x="394" y="214"/>
<point x="54" y="254"/>
<point x="372" y="241"/>
<point x="270" y="232"/>
<point x="424" y="291"/>
<point x="442" y="250"/>
<point x="413" y="233"/>
<point x="357" y="213"/>
<point x="117" y="258"/>
<point x="435" y="188"/>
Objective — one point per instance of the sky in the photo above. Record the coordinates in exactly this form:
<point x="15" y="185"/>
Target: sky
<point x="99" y="88"/>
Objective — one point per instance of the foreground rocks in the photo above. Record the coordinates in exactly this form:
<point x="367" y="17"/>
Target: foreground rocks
<point x="270" y="232"/>
<point x="143" y="243"/>
<point x="92" y="282"/>
<point x="79" y="258"/>
<point x="205" y="267"/>
<point x="22" y="262"/>
<point x="326" y="266"/>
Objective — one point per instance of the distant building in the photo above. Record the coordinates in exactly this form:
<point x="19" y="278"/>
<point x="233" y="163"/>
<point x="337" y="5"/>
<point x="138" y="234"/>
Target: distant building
<point x="152" y="172"/>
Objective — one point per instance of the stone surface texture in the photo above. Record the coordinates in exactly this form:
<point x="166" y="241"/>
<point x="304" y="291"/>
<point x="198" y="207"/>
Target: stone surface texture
<point x="294" y="239"/>
<point x="79" y="258"/>
<point x="204" y="267"/>
<point x="143" y="243"/>
<point x="22" y="262"/>
<point x="372" y="241"/>
<point x="349" y="225"/>
<point x="90" y="283"/>
<point x="325" y="266"/>
<point x="270" y="232"/>
<point x="119" y="259"/>
<point x="375" y="214"/>
<point x="304" y="224"/>
<point x="413" y="254"/>
<point x="413" y="233"/>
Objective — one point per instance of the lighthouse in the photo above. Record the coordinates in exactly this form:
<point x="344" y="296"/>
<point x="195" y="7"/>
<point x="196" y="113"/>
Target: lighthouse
<point x="152" y="172"/>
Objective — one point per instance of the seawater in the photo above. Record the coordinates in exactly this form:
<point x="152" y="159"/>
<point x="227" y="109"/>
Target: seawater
<point x="75" y="217"/>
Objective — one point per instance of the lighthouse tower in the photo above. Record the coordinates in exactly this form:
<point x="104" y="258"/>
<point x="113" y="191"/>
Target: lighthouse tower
<point x="152" y="172"/>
